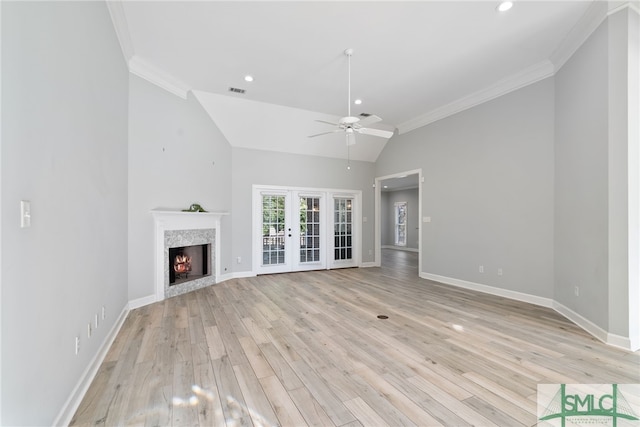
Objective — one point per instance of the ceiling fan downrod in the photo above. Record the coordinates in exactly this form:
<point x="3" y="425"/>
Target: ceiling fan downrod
<point x="349" y="52"/>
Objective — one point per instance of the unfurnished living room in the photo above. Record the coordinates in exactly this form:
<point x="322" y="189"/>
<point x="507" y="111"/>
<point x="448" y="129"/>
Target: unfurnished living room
<point x="326" y="213"/>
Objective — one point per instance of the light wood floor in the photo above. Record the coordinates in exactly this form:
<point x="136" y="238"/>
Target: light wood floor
<point x="308" y="349"/>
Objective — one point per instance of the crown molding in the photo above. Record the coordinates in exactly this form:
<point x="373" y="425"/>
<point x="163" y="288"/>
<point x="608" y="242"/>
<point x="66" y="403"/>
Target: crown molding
<point x="158" y="77"/>
<point x="592" y="18"/>
<point x="586" y="25"/>
<point x="615" y="6"/>
<point x="516" y="81"/>
<point x="116" y="10"/>
<point x="137" y="65"/>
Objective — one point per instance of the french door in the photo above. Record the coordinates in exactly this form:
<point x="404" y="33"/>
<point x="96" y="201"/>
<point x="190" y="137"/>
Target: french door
<point x="303" y="229"/>
<point x="344" y="243"/>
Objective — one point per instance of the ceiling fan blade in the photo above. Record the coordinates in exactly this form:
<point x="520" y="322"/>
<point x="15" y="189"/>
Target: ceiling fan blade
<point x="369" y="120"/>
<point x="375" y="132"/>
<point x="325" y="133"/>
<point x="329" y="123"/>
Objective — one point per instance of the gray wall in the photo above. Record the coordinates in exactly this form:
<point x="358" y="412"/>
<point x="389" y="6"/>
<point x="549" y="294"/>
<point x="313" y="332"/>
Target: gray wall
<point x="488" y="188"/>
<point x="270" y="168"/>
<point x="64" y="148"/>
<point x="177" y="156"/>
<point x="596" y="191"/>
<point x="387" y="216"/>
<point x="581" y="196"/>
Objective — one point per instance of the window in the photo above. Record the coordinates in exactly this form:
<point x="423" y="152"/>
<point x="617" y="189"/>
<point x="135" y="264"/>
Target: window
<point x="401" y="223"/>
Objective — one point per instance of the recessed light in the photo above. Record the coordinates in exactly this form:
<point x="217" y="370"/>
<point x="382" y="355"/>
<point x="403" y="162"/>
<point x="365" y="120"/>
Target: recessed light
<point x="385" y="186"/>
<point x="504" y="6"/>
<point x="358" y="101"/>
<point x="248" y="78"/>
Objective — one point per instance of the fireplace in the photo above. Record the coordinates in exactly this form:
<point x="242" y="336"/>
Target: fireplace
<point x="189" y="263"/>
<point x="187" y="245"/>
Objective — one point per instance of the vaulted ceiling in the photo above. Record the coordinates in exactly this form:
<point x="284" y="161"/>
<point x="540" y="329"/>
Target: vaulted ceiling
<point x="414" y="62"/>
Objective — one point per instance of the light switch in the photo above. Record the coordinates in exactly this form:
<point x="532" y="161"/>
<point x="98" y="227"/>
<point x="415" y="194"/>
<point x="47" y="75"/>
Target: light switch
<point x="364" y="219"/>
<point x="426" y="219"/>
<point x="25" y="213"/>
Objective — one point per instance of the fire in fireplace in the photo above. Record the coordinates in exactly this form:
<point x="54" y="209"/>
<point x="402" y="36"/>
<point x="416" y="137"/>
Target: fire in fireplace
<point x="182" y="264"/>
<point x="189" y="263"/>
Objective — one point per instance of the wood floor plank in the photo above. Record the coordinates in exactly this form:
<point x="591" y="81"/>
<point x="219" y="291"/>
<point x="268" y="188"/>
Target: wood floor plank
<point x="454" y="405"/>
<point x="398" y="399"/>
<point x="205" y="388"/>
<point x="285" y="409"/>
<point x="280" y="367"/>
<point x="364" y="413"/>
<point x="184" y="401"/>
<point x="308" y="349"/>
<point x="234" y="406"/>
<point x="259" y="364"/>
<point x="309" y="407"/>
<point x="258" y="405"/>
<point x="322" y="392"/>
<point x="214" y="342"/>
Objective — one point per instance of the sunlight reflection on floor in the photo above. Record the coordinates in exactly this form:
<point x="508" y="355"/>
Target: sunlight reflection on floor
<point x="237" y="409"/>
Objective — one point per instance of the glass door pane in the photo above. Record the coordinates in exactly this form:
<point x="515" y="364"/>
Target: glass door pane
<point x="343" y="229"/>
<point x="273" y="230"/>
<point x="309" y="229"/>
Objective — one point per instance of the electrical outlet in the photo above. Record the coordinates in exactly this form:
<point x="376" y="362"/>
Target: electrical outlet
<point x="239" y="260"/>
<point x="89" y="330"/>
<point x="103" y="313"/>
<point x="576" y="291"/>
<point x="77" y="345"/>
<point x="499" y="272"/>
<point x="481" y="269"/>
<point x="95" y="324"/>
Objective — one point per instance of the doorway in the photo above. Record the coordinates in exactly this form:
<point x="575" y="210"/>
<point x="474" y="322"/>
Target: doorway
<point x="398" y="216"/>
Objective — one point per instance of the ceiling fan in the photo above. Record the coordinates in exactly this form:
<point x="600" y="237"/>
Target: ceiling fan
<point x="351" y="125"/>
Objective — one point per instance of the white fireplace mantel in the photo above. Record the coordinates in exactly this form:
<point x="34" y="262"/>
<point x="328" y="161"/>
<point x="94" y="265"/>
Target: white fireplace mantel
<point x="167" y="219"/>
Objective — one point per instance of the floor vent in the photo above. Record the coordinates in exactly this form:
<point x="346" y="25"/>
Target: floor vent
<point x="382" y="316"/>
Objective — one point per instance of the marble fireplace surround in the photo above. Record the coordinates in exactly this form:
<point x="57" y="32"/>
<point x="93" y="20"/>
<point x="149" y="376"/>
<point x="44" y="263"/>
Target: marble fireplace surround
<point x="174" y="228"/>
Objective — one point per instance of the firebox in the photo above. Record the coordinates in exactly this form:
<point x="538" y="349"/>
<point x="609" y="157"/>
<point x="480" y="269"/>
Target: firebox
<point x="188" y="263"/>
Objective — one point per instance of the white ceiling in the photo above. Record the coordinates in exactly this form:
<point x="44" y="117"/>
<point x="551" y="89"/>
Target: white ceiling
<point x="413" y="62"/>
<point x="400" y="183"/>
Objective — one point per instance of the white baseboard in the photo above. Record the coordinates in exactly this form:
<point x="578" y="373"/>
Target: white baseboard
<point x="595" y="330"/>
<point x="590" y="327"/>
<point x="150" y="299"/>
<point x="75" y="398"/>
<point x="141" y="302"/>
<point x="518" y="296"/>
<point x="399" y="248"/>
<point x="369" y="264"/>
<point x="236" y="275"/>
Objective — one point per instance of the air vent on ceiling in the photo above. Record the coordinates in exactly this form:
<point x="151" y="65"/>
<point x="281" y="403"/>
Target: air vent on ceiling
<point x="365" y="114"/>
<point x="236" y="90"/>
